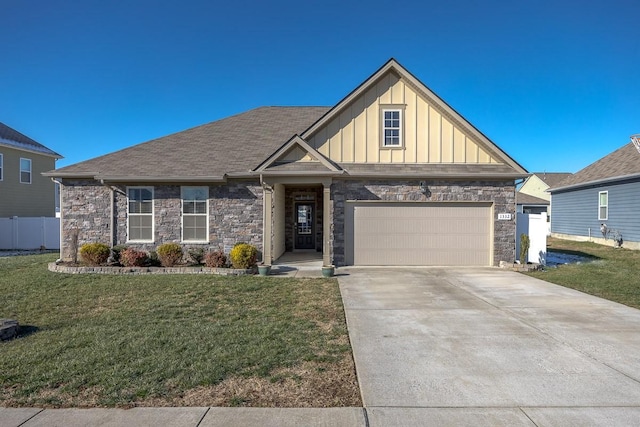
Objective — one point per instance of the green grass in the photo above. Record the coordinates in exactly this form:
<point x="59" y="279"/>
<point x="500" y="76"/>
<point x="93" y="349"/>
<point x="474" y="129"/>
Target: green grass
<point x="101" y="340"/>
<point x="612" y="273"/>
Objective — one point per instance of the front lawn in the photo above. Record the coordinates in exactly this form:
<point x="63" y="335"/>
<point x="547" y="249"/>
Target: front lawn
<point x="612" y="273"/>
<point x="169" y="340"/>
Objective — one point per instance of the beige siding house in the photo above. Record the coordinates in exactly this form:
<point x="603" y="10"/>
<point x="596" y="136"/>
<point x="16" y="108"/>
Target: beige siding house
<point x="533" y="197"/>
<point x="24" y="192"/>
<point x="390" y="175"/>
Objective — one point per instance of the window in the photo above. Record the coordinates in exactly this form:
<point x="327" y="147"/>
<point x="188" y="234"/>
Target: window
<point x="392" y="127"/>
<point x="25" y="171"/>
<point x="140" y="214"/>
<point x="603" y="205"/>
<point x="195" y="214"/>
<point x="1" y="166"/>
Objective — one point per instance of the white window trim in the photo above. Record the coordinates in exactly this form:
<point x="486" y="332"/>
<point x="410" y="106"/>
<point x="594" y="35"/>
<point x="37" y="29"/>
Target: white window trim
<point x="603" y="206"/>
<point x="182" y="214"/>
<point x="400" y="110"/>
<point x="1" y="166"/>
<point x="30" y="171"/>
<point x="153" y="214"/>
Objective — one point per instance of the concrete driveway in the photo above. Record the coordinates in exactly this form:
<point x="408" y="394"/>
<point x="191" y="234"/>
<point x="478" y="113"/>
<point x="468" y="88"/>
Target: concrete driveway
<point x="483" y="346"/>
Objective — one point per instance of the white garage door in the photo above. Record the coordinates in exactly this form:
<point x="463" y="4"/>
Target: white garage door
<point x="389" y="233"/>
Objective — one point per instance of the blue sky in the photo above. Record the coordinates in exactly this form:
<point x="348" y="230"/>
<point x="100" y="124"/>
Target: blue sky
<point x="556" y="84"/>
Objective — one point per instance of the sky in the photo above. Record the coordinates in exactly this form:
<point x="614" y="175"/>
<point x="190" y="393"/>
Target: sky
<point x="555" y="84"/>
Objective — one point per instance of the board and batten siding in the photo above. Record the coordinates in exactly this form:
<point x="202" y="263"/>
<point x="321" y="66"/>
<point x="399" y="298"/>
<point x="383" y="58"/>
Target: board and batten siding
<point x="574" y="212"/>
<point x="354" y="136"/>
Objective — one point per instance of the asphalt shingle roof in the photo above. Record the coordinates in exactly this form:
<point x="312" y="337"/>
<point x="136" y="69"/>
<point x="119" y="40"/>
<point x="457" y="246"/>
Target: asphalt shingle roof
<point x="231" y="145"/>
<point x="528" y="199"/>
<point x="552" y="178"/>
<point x="624" y="161"/>
<point x="15" y="139"/>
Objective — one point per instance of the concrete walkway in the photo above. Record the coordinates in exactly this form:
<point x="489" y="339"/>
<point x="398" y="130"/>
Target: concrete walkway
<point x="489" y="347"/>
<point x="448" y="347"/>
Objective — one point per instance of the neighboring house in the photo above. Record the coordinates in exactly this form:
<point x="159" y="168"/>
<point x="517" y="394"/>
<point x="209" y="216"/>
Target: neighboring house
<point x="528" y="204"/>
<point x="24" y="192"/>
<point x="605" y="192"/>
<point x="533" y="196"/>
<point x="390" y="175"/>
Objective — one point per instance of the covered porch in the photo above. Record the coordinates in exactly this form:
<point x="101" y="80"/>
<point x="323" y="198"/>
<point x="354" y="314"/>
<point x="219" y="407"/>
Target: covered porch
<point x="297" y="220"/>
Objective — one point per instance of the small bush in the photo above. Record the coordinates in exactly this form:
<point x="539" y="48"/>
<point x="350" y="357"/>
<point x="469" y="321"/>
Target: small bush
<point x="116" y="252"/>
<point x="524" y="248"/>
<point x="243" y="255"/>
<point x="154" y="260"/>
<point x="95" y="253"/>
<point x="215" y="259"/>
<point x="196" y="255"/>
<point x="170" y="254"/>
<point x="131" y="257"/>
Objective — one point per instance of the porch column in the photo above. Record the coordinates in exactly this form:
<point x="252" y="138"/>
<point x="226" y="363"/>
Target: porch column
<point x="326" y="223"/>
<point x="267" y="203"/>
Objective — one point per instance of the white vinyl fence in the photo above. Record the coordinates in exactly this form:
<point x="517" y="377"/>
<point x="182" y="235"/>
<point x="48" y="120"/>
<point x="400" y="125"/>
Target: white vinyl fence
<point x="29" y="233"/>
<point x="535" y="226"/>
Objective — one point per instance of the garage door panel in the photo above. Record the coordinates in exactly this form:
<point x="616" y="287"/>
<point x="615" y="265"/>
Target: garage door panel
<point x="420" y="234"/>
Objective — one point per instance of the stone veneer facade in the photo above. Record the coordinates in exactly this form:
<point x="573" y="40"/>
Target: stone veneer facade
<point x="235" y="215"/>
<point x="235" y="211"/>
<point x="500" y="193"/>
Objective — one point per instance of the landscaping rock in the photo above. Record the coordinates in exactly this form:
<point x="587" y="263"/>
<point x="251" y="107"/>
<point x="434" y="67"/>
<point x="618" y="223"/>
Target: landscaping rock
<point x="8" y="329"/>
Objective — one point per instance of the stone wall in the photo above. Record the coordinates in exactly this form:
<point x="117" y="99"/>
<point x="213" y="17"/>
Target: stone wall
<point x="502" y="194"/>
<point x="235" y="215"/>
<point x="85" y="210"/>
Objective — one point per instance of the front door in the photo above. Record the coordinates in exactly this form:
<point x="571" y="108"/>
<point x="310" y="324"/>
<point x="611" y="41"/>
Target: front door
<point x="304" y="230"/>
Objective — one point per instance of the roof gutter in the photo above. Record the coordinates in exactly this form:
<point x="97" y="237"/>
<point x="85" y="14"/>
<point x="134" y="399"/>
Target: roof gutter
<point x="594" y="182"/>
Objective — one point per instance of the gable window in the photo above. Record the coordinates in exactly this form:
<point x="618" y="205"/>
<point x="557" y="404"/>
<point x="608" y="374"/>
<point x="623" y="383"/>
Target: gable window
<point x="25" y="171"/>
<point x="391" y="127"/>
<point x="195" y="214"/>
<point x="140" y="214"/>
<point x="1" y="166"/>
<point x="603" y="205"/>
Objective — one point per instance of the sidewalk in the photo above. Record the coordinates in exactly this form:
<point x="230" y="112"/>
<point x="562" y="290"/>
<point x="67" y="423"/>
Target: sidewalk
<point x="182" y="417"/>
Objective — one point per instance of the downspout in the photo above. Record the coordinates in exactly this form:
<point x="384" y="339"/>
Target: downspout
<point x="112" y="201"/>
<point x="59" y="260"/>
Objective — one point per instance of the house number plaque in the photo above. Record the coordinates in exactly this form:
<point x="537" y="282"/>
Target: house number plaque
<point x="504" y="217"/>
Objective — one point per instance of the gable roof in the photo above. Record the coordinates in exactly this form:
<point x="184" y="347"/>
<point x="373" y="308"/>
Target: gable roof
<point x="624" y="163"/>
<point x="552" y="178"/>
<point x="233" y="145"/>
<point x="393" y="66"/>
<point x="12" y="138"/>
<point x="274" y="163"/>
<point x="251" y="143"/>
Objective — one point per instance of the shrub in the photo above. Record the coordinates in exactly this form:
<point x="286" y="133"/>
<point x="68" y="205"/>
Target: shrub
<point x="153" y="259"/>
<point x="196" y="255"/>
<point x="116" y="250"/>
<point x="131" y="257"/>
<point x="170" y="254"/>
<point x="524" y="248"/>
<point x="95" y="253"/>
<point x="215" y="259"/>
<point x="243" y="255"/>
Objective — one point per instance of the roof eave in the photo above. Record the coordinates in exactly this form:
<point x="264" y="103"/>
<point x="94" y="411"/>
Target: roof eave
<point x="594" y="182"/>
<point x="26" y="148"/>
<point x="427" y="175"/>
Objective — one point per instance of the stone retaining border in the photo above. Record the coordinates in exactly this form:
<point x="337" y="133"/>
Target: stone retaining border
<point x="68" y="269"/>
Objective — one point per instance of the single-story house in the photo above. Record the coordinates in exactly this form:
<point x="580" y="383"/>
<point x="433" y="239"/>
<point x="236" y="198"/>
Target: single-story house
<point x="24" y="192"/>
<point x="533" y="197"/>
<point x="603" y="197"/>
<point x="390" y="175"/>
